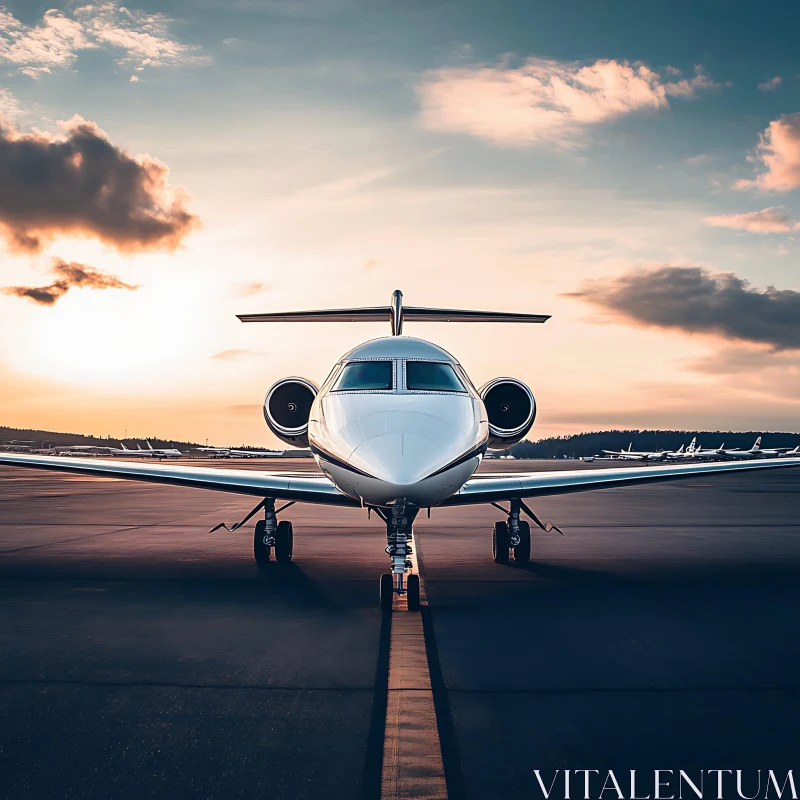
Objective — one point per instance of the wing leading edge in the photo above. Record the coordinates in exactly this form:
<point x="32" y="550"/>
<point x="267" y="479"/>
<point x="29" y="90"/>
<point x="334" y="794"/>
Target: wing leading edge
<point x="286" y="486"/>
<point x="311" y="489"/>
<point x="493" y="488"/>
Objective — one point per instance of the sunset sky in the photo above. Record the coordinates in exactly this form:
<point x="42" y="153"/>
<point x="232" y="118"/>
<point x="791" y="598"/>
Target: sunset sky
<point x="631" y="169"/>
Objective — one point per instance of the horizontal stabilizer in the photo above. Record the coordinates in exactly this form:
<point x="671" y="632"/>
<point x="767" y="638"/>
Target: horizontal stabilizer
<point x="379" y="314"/>
<point x="396" y="313"/>
<point x="383" y="314"/>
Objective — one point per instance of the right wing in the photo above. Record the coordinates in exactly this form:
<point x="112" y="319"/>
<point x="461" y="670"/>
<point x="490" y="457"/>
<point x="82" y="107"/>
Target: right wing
<point x="286" y="486"/>
<point x="488" y="488"/>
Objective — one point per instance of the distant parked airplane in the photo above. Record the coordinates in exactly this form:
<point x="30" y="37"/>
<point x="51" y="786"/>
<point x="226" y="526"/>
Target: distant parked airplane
<point x="97" y="450"/>
<point x="634" y="455"/>
<point x="231" y="452"/>
<point x="755" y="452"/>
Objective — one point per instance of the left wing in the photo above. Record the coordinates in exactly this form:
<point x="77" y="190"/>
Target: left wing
<point x="492" y="488"/>
<point x="286" y="486"/>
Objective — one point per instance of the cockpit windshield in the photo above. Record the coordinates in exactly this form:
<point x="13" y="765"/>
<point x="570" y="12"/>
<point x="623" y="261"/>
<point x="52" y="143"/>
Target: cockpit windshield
<point x="429" y="376"/>
<point x="366" y="376"/>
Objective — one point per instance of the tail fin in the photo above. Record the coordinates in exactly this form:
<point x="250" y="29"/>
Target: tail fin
<point x="395" y="313"/>
<point x="680" y="449"/>
<point x="122" y="445"/>
<point x="757" y="445"/>
<point x="149" y="446"/>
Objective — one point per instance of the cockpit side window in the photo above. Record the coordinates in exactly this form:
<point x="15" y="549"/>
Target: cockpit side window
<point x="366" y="376"/>
<point x="430" y="376"/>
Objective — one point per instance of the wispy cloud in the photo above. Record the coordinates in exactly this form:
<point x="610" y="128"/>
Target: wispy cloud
<point x="235" y="354"/>
<point x="84" y="185"/>
<point x="250" y="289"/>
<point x="771" y="84"/>
<point x="69" y="275"/>
<point x="694" y="300"/>
<point x="768" y="220"/>
<point x="140" y="39"/>
<point x="779" y="153"/>
<point x="545" y="100"/>
<point x="741" y="359"/>
<point x="9" y="106"/>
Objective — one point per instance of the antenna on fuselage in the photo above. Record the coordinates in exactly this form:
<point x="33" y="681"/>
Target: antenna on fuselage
<point x="396" y="313"/>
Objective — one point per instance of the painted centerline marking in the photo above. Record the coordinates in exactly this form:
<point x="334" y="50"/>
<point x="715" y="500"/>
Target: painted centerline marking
<point x="412" y="754"/>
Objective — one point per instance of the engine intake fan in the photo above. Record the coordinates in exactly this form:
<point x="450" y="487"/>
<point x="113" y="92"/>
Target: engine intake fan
<point x="511" y="409"/>
<point x="287" y="408"/>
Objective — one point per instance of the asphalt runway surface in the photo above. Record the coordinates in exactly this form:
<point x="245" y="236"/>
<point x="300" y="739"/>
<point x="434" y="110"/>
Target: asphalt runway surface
<point x="143" y="657"/>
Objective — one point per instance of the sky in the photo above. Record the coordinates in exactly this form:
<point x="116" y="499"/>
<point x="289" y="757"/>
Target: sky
<point x="631" y="169"/>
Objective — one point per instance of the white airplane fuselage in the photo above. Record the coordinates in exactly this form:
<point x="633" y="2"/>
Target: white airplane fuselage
<point x="399" y="444"/>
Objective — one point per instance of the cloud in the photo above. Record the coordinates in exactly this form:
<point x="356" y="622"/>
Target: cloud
<point x="9" y="107"/>
<point x="768" y="220"/>
<point x="544" y="100"/>
<point x="142" y="39"/>
<point x="779" y="152"/>
<point x="693" y="300"/>
<point x="69" y="275"/>
<point x="84" y="185"/>
<point x="737" y="360"/>
<point x="250" y="289"/>
<point x="771" y="84"/>
<point x="235" y="354"/>
<point x="248" y="409"/>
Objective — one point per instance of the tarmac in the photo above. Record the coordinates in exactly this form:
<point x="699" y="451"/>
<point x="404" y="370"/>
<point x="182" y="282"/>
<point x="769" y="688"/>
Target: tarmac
<point x="143" y="657"/>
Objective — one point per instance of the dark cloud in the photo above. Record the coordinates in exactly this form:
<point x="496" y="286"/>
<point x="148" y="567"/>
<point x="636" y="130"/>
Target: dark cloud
<point x="69" y="274"/>
<point x="694" y="300"/>
<point x="84" y="185"/>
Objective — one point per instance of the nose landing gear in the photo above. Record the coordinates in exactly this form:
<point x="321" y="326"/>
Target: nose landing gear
<point x="398" y="536"/>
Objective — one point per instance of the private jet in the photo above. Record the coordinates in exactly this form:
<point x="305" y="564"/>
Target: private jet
<point x="396" y="428"/>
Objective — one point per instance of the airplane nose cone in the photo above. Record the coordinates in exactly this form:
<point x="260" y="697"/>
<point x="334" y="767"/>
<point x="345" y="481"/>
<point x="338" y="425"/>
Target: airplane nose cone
<point x="400" y="459"/>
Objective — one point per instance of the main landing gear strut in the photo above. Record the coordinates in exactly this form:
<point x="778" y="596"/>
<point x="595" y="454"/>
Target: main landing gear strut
<point x="399" y="520"/>
<point x="272" y="536"/>
<point x="515" y="534"/>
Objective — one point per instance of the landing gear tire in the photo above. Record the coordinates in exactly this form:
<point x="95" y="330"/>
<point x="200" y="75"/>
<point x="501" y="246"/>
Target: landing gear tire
<point x="284" y="542"/>
<point x="261" y="550"/>
<point x="412" y="592"/>
<point x="522" y="551"/>
<point x="501" y="543"/>
<point x="387" y="591"/>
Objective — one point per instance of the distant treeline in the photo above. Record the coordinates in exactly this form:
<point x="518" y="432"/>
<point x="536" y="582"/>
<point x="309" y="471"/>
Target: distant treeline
<point x="38" y="437"/>
<point x="581" y="444"/>
<point x="589" y="444"/>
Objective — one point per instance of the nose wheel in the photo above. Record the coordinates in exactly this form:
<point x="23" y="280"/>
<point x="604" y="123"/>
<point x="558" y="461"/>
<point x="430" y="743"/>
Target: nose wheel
<point x="388" y="589"/>
<point x="398" y="536"/>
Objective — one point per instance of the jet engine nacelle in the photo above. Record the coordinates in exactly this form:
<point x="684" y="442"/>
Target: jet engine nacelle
<point x="511" y="409"/>
<point x="287" y="407"/>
